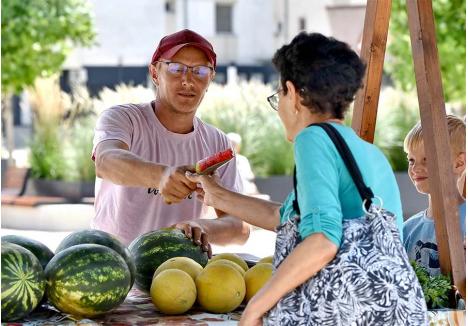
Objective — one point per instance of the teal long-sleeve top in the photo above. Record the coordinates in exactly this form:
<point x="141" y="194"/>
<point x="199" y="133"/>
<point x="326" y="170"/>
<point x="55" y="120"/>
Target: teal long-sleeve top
<point x="326" y="191"/>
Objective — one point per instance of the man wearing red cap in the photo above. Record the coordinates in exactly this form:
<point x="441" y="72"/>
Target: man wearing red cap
<point x="142" y="152"/>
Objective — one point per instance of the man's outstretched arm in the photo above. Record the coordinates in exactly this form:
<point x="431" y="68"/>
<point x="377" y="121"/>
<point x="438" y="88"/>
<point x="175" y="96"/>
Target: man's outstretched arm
<point x="114" y="162"/>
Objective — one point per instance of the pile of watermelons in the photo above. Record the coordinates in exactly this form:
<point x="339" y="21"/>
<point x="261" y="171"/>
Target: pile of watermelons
<point x="92" y="272"/>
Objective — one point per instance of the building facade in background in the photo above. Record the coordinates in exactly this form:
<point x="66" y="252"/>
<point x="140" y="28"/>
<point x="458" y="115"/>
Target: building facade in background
<point x="244" y="33"/>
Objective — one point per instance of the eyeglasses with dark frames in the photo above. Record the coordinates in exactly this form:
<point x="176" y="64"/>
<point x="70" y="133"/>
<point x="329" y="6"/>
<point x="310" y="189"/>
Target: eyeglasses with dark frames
<point x="274" y="100"/>
<point x="178" y="69"/>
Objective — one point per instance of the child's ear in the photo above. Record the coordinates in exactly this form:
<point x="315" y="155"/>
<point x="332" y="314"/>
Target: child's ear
<point x="460" y="163"/>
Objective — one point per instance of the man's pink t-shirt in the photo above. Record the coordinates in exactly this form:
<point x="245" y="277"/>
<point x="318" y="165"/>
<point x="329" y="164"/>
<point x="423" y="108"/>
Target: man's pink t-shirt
<point x="128" y="212"/>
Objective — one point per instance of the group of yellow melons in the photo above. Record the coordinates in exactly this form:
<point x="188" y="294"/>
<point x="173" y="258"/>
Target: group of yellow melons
<point x="220" y="287"/>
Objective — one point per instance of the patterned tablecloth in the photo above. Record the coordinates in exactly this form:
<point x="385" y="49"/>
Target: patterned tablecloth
<point x="138" y="309"/>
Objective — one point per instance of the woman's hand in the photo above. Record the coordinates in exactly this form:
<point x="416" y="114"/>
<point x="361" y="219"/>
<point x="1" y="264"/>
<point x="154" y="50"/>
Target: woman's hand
<point x="255" y="211"/>
<point x="250" y="317"/>
<point x="209" y="187"/>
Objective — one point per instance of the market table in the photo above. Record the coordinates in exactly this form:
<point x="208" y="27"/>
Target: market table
<point x="138" y="309"/>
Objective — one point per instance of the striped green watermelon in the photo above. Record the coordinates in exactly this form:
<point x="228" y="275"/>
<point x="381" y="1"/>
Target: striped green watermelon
<point x="153" y="248"/>
<point x="87" y="280"/>
<point x="101" y="238"/>
<point x="40" y="250"/>
<point x="23" y="282"/>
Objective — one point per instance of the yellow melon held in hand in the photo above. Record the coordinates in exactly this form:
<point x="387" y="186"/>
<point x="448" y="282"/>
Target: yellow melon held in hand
<point x="256" y="277"/>
<point x="173" y="291"/>
<point x="221" y="288"/>
<point x="232" y="257"/>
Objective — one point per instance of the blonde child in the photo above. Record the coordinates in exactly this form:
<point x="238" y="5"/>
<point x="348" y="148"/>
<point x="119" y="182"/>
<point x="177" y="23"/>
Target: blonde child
<point x="419" y="231"/>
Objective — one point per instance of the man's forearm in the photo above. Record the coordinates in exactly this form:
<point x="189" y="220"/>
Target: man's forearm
<point x="225" y="230"/>
<point x="125" y="168"/>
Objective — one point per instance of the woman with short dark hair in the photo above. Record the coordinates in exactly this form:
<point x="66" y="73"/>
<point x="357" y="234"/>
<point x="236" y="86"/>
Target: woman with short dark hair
<point x="339" y="258"/>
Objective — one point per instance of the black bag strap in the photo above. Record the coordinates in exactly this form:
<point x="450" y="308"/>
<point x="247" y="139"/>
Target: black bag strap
<point x="348" y="158"/>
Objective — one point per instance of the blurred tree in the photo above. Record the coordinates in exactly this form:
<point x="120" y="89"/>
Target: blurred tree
<point x="451" y="43"/>
<point x="37" y="35"/>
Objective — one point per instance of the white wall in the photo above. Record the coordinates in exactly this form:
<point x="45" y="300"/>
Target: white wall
<point x="127" y="33"/>
<point x="342" y="19"/>
<point x="254" y="27"/>
<point x="315" y="13"/>
<point x="200" y="17"/>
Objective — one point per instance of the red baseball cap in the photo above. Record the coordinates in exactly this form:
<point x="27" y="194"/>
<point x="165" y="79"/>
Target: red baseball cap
<point x="170" y="44"/>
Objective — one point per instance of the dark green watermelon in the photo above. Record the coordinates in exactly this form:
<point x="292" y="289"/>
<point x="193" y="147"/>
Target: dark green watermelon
<point x="23" y="282"/>
<point x="101" y="238"/>
<point x="153" y="248"/>
<point x="87" y="280"/>
<point x="40" y="250"/>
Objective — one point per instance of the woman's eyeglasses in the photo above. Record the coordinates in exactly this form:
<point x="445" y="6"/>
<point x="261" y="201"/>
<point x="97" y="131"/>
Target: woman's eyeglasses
<point x="274" y="100"/>
<point x="178" y="69"/>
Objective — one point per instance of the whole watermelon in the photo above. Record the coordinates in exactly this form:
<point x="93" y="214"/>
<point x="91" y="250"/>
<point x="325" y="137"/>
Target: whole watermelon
<point x="153" y="248"/>
<point x="23" y="282"/>
<point x="101" y="238"/>
<point x="87" y="280"/>
<point x="40" y="250"/>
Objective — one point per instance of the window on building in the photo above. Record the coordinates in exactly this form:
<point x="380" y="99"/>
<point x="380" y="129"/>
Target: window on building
<point x="302" y="24"/>
<point x="279" y="28"/>
<point x="170" y="6"/>
<point x="223" y="18"/>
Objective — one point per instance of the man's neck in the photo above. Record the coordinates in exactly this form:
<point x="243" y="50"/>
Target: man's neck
<point x="175" y="122"/>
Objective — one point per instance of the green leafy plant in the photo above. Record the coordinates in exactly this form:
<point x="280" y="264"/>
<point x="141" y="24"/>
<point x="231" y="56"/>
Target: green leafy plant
<point x="37" y="36"/>
<point x="46" y="150"/>
<point x="121" y="94"/>
<point x="436" y="288"/>
<point x="398" y="113"/>
<point x="63" y="133"/>
<point x="46" y="147"/>
<point x="79" y="120"/>
<point x="450" y="22"/>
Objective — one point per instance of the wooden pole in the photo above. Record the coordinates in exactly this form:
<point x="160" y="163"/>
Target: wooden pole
<point x="442" y="184"/>
<point x="374" y="42"/>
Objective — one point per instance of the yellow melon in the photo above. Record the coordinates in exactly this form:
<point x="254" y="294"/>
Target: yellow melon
<point x="185" y="264"/>
<point x="220" y="287"/>
<point x="229" y="263"/>
<point x="256" y="277"/>
<point x="232" y="257"/>
<point x="173" y="291"/>
<point x="267" y="259"/>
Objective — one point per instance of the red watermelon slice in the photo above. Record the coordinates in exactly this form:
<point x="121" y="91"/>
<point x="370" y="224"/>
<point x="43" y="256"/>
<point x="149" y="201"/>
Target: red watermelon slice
<point x="209" y="164"/>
